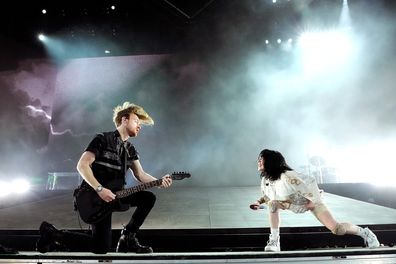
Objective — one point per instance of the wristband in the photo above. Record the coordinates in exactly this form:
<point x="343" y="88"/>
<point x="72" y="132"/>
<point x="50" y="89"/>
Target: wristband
<point x="99" y="188"/>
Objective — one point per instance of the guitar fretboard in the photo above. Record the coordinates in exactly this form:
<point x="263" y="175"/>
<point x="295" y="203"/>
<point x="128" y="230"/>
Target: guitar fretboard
<point x="138" y="188"/>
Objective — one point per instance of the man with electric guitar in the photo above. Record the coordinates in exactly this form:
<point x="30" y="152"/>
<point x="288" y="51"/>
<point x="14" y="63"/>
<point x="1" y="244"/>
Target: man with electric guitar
<point x="103" y="166"/>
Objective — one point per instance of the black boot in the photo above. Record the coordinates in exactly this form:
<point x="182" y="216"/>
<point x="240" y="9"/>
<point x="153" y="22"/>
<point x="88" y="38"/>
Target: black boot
<point x="129" y="243"/>
<point x="50" y="239"/>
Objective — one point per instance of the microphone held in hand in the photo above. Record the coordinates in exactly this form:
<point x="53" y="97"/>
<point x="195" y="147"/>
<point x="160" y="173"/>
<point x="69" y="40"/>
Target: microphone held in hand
<point x="255" y="206"/>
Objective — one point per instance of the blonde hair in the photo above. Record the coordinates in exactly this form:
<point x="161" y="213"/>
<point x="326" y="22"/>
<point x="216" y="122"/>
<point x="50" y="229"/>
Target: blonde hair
<point x="128" y="108"/>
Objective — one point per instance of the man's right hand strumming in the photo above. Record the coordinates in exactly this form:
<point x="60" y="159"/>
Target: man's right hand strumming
<point x="106" y="195"/>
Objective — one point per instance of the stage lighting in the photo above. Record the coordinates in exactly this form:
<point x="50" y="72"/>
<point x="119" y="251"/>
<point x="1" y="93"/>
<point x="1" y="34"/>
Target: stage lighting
<point x="20" y="186"/>
<point x="279" y="41"/>
<point x="325" y="50"/>
<point x="41" y="37"/>
<point x="112" y="7"/>
<point x="370" y="162"/>
<point x="16" y="186"/>
<point x="266" y="41"/>
<point x="44" y="11"/>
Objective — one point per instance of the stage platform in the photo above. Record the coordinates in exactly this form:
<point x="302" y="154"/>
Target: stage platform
<point x="203" y="225"/>
<point x="346" y="256"/>
<point x="185" y="208"/>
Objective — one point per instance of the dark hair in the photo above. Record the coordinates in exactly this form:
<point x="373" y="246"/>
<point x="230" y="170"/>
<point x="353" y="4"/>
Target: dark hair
<point x="274" y="164"/>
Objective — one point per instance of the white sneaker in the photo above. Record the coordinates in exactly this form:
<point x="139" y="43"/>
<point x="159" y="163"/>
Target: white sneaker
<point x="370" y="239"/>
<point x="273" y="244"/>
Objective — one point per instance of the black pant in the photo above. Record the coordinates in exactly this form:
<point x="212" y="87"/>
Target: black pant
<point x="101" y="239"/>
<point x="101" y="232"/>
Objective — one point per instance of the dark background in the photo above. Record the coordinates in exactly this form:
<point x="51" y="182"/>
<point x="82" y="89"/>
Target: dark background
<point x="217" y="92"/>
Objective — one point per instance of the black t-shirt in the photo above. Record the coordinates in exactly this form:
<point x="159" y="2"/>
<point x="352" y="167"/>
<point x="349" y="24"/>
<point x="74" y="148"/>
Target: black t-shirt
<point x="109" y="167"/>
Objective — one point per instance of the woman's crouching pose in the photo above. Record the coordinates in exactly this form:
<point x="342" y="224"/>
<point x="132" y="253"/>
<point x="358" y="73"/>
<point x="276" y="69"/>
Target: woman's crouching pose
<point x="283" y="188"/>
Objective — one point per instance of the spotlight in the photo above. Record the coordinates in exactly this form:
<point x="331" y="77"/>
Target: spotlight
<point x="41" y="37"/>
<point x="20" y="185"/>
<point x="290" y="40"/>
<point x="279" y="41"/>
<point x="266" y="42"/>
<point x="16" y="186"/>
<point x="274" y="1"/>
<point x="107" y="51"/>
<point x="44" y="11"/>
<point x="325" y="49"/>
<point x="112" y="7"/>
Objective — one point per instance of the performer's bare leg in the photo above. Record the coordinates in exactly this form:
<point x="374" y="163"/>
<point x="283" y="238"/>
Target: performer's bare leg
<point x="273" y="242"/>
<point x="274" y="219"/>
<point x="326" y="218"/>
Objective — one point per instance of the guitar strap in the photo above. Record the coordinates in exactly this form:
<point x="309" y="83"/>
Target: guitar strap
<point x="121" y="206"/>
<point x="126" y="155"/>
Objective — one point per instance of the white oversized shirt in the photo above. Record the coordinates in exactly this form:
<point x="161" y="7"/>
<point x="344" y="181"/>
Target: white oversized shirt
<point x="290" y="184"/>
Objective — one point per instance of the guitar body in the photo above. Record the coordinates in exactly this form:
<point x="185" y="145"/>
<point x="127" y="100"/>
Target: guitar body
<point x="90" y="206"/>
<point x="93" y="209"/>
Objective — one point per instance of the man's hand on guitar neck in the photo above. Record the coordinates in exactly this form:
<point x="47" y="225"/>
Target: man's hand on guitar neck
<point x="166" y="181"/>
<point x="106" y="195"/>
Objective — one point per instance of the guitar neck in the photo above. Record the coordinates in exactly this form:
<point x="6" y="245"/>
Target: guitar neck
<point x="128" y="191"/>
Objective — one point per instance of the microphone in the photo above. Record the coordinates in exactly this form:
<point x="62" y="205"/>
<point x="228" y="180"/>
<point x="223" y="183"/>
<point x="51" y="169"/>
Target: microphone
<point x="252" y="206"/>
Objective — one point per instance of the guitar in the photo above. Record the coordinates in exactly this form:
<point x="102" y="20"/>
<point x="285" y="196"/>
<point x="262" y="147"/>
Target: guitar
<point x="93" y="209"/>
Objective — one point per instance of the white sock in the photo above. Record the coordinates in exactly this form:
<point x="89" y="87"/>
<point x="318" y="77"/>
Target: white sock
<point x="275" y="232"/>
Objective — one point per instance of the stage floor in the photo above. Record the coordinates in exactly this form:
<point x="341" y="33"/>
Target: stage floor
<point x="383" y="255"/>
<point x="199" y="209"/>
<point x="185" y="208"/>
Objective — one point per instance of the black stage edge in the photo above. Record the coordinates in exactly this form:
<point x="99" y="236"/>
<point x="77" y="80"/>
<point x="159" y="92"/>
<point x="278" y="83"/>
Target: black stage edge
<point x="221" y="240"/>
<point x="334" y="254"/>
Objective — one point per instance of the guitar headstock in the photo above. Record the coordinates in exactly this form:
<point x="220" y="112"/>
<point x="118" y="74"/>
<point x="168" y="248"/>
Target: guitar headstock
<point x="180" y="175"/>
